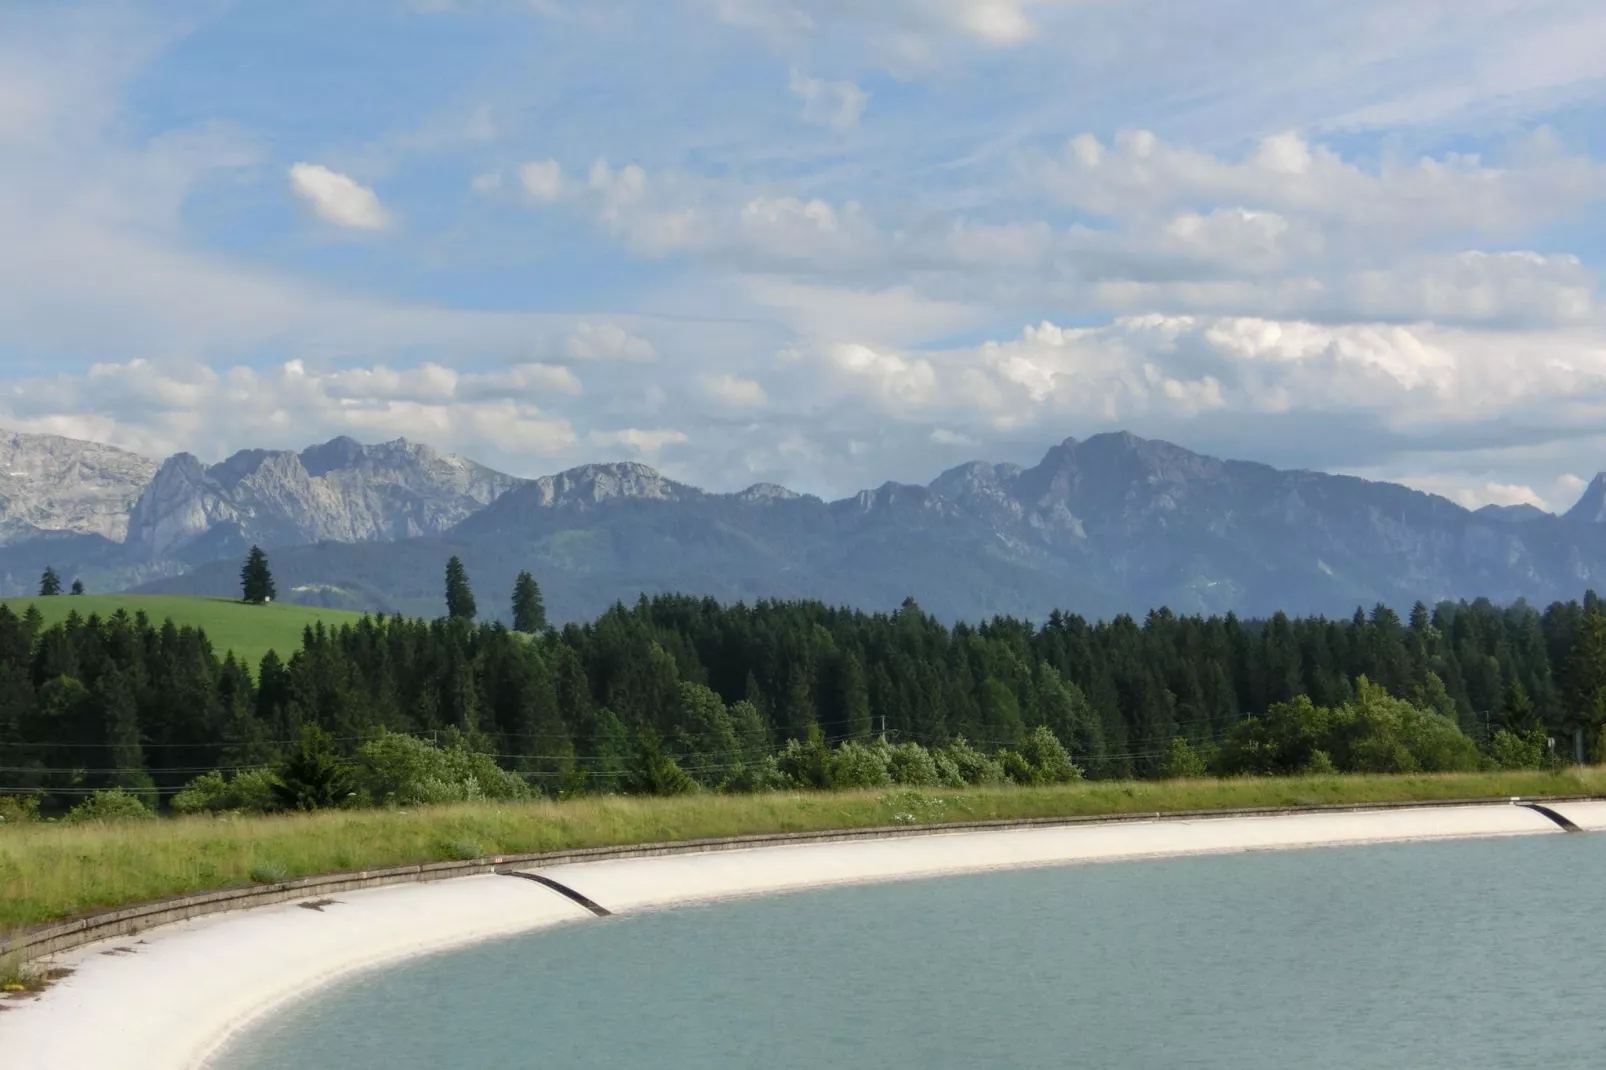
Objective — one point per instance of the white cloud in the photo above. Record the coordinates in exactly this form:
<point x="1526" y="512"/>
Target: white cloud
<point x="606" y="341"/>
<point x="737" y="392"/>
<point x="835" y="104"/>
<point x="336" y="198"/>
<point x="1140" y="175"/>
<point x="542" y="180"/>
<point x="647" y="443"/>
<point x="161" y="409"/>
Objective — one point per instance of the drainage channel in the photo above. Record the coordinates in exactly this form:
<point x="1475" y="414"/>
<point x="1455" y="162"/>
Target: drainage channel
<point x="562" y="889"/>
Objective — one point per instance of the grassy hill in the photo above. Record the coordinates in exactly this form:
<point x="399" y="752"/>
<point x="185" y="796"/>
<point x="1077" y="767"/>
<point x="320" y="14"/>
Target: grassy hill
<point x="249" y="631"/>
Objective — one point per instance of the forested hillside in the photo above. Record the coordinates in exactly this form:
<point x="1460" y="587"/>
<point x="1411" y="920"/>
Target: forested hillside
<point x="747" y="696"/>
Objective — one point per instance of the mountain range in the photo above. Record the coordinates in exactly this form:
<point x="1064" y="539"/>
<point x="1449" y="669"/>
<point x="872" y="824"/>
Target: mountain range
<point x="1108" y="525"/>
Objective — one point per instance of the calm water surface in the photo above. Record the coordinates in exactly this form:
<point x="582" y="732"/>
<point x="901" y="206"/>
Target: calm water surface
<point x="1482" y="953"/>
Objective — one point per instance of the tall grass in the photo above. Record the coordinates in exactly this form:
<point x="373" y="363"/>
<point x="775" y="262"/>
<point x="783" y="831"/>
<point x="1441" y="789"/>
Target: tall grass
<point x="50" y="871"/>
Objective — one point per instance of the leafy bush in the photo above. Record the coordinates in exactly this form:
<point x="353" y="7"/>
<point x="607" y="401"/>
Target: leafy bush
<point x="1527" y="750"/>
<point x="761" y="774"/>
<point x="967" y="765"/>
<point x="911" y="765"/>
<point x="1049" y="761"/>
<point x="1374" y="733"/>
<point x="17" y="809"/>
<point x="859" y="765"/>
<point x="806" y="764"/>
<point x="113" y="805"/>
<point x="250" y="791"/>
<point x="269" y="873"/>
<point x="1182" y="762"/>
<point x="404" y="771"/>
<point x="1017" y="770"/>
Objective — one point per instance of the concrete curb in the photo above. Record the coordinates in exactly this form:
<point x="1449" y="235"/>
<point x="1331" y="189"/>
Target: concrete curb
<point x="40" y="941"/>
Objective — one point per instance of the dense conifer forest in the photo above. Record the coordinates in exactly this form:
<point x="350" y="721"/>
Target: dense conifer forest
<point x="676" y="693"/>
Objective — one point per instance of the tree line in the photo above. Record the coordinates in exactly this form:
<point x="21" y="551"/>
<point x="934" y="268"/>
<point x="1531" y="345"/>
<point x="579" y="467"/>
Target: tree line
<point x="675" y="692"/>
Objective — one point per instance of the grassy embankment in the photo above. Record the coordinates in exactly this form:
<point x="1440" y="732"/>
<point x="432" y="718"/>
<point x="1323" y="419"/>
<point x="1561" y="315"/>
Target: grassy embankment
<point x="50" y="871"/>
<point x="249" y="631"/>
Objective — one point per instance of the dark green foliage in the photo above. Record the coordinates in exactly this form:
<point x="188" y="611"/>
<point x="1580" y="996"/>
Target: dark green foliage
<point x="256" y="581"/>
<point x="313" y="776"/>
<point x="652" y="772"/>
<point x="529" y="612"/>
<point x="77" y="586"/>
<point x="49" y="583"/>
<point x="676" y="691"/>
<point x="459" y="598"/>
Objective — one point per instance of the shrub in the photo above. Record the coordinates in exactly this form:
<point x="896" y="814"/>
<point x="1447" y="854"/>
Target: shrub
<point x="17" y="809"/>
<point x="859" y="765"/>
<point x="1511" y="750"/>
<point x="1017" y="770"/>
<point x="652" y="772"/>
<point x="911" y="765"/>
<point x="403" y="771"/>
<point x="269" y="873"/>
<point x="1182" y="762"/>
<point x="113" y="805"/>
<point x="250" y="791"/>
<point x="313" y="777"/>
<point x="806" y="764"/>
<point x="1048" y="759"/>
<point x="969" y="765"/>
<point x="760" y="774"/>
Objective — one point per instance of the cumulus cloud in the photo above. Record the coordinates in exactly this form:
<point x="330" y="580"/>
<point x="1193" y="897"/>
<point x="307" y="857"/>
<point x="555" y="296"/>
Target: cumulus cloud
<point x="645" y="443"/>
<point x="606" y="341"/>
<point x="1140" y="175"/>
<point x="835" y="104"/>
<point x="737" y="392"/>
<point x="542" y="180"/>
<point x="336" y="198"/>
<point x="161" y="409"/>
<point x="1417" y="378"/>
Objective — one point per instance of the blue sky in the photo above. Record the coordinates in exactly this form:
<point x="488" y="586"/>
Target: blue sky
<point x="818" y="242"/>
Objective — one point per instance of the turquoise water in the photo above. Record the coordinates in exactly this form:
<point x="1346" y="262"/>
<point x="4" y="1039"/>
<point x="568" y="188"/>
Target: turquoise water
<point x="1483" y="953"/>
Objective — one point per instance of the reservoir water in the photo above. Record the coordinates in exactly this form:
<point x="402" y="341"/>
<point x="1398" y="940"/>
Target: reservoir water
<point x="1477" y="953"/>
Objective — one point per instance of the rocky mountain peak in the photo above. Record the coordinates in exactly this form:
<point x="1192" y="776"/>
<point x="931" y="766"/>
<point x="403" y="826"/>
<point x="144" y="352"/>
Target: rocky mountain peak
<point x="595" y="483"/>
<point x="767" y="492"/>
<point x="341" y="490"/>
<point x="1591" y="507"/>
<point x="51" y="483"/>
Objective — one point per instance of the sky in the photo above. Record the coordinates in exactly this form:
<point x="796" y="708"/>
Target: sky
<point x="822" y="243"/>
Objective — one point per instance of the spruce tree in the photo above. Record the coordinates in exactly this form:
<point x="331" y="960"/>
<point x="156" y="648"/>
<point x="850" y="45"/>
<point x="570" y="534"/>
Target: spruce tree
<point x="77" y="586"/>
<point x="459" y="598"/>
<point x="529" y="612"/>
<point x="49" y="583"/>
<point x="256" y="582"/>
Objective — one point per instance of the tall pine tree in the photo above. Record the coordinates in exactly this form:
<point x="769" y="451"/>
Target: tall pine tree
<point x="49" y="583"/>
<point x="529" y="612"/>
<point x="459" y="599"/>
<point x="256" y="582"/>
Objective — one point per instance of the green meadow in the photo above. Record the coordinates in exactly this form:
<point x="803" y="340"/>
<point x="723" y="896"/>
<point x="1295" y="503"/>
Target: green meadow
<point x="249" y="631"/>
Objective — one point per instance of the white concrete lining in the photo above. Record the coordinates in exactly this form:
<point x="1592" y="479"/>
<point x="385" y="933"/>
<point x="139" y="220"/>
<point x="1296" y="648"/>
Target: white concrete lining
<point x="187" y="988"/>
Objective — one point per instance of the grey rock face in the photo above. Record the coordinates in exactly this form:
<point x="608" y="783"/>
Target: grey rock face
<point x="50" y="483"/>
<point x="342" y="491"/>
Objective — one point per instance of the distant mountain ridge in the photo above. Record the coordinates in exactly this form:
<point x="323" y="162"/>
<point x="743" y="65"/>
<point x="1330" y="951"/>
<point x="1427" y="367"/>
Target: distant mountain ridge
<point x="341" y="490"/>
<point x="1114" y="523"/>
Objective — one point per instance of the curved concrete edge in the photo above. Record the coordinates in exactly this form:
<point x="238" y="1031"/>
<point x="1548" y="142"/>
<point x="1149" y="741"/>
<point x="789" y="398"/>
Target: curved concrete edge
<point x="179" y="993"/>
<point x="626" y="885"/>
<point x="57" y="937"/>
